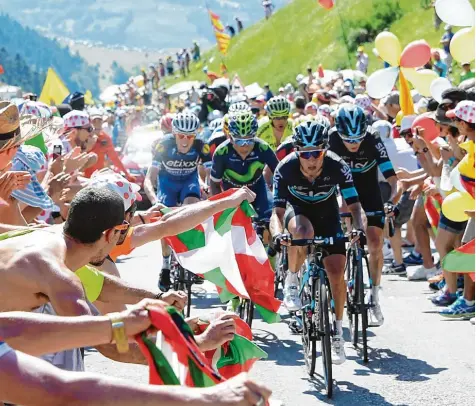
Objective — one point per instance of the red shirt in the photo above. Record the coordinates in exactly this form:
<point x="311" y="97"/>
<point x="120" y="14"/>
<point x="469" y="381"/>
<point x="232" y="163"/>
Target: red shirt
<point x="103" y="147"/>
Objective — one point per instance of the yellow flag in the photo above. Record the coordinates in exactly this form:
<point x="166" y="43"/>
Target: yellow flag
<point x="88" y="98"/>
<point x="54" y="90"/>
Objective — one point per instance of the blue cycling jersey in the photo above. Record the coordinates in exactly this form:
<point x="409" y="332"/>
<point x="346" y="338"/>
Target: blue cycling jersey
<point x="177" y="166"/>
<point x="228" y="166"/>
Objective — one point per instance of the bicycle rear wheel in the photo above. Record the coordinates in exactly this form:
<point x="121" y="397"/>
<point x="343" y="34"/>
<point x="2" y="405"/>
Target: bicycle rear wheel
<point x="325" y="332"/>
<point x="309" y="329"/>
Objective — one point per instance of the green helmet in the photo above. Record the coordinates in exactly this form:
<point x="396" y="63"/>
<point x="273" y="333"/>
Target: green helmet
<point x="242" y="124"/>
<point x="278" y="106"/>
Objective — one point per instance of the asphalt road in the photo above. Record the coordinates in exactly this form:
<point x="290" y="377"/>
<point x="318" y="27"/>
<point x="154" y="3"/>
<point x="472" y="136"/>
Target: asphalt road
<point x="416" y="357"/>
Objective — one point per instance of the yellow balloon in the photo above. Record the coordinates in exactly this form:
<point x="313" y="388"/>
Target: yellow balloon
<point x="462" y="45"/>
<point x="466" y="166"/>
<point x="388" y="47"/>
<point x="455" y="204"/>
<point x="420" y="79"/>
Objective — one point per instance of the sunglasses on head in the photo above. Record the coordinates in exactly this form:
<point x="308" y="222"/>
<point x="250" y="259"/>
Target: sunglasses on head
<point x="315" y="153"/>
<point x="187" y="136"/>
<point x="241" y="142"/>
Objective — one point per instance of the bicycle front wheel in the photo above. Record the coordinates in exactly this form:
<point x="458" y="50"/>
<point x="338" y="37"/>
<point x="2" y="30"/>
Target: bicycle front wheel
<point x="325" y="332"/>
<point x="309" y="329"/>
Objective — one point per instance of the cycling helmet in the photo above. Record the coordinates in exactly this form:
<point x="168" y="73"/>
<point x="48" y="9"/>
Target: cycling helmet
<point x="215" y="124"/>
<point x="242" y="124"/>
<point x="351" y="122"/>
<point x="166" y="123"/>
<point x="239" y="106"/>
<point x="383" y="128"/>
<point x="278" y="106"/>
<point x="311" y="133"/>
<point x="185" y="123"/>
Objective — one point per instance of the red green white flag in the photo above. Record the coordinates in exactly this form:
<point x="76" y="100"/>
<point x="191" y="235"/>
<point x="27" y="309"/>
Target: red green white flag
<point x="461" y="260"/>
<point x="226" y="251"/>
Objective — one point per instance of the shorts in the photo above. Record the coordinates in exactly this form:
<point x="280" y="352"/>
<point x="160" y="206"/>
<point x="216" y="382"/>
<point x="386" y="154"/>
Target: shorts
<point x="405" y="207"/>
<point x="371" y="200"/>
<point x="172" y="192"/>
<point x="328" y="226"/>
<point x="469" y="232"/>
<point x="454" y="227"/>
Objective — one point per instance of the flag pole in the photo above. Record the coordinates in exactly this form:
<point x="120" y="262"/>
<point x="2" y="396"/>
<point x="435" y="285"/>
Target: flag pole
<point x="344" y="35"/>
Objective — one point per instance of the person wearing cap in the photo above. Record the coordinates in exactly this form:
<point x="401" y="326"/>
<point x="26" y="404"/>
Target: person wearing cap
<point x="439" y="66"/>
<point x="467" y="72"/>
<point x="268" y="93"/>
<point x="445" y="42"/>
<point x="362" y="60"/>
<point x="103" y="148"/>
<point x="311" y="108"/>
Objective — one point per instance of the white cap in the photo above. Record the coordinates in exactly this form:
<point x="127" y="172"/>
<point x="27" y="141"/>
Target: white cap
<point x="407" y="122"/>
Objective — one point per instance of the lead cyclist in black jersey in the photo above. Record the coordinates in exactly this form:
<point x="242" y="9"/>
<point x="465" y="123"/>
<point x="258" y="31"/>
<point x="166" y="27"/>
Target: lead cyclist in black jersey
<point x="305" y="203"/>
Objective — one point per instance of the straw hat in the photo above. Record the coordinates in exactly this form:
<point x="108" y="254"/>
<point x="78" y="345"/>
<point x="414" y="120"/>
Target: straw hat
<point x="15" y="130"/>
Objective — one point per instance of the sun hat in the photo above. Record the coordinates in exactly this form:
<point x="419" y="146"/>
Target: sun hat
<point x="16" y="129"/>
<point x="113" y="181"/>
<point x="392" y="98"/>
<point x="407" y="122"/>
<point x="464" y="110"/>
<point x="31" y="159"/>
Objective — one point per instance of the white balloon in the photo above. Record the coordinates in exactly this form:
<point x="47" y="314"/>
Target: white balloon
<point x="456" y="180"/>
<point x="438" y="86"/>
<point x="381" y="82"/>
<point x="459" y="13"/>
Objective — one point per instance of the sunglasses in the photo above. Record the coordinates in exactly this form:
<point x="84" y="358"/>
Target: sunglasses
<point x="316" y="153"/>
<point x="241" y="142"/>
<point x="406" y="134"/>
<point x="187" y="136"/>
<point x="122" y="227"/>
<point x="352" y="140"/>
<point x="89" y="129"/>
<point x="279" y="118"/>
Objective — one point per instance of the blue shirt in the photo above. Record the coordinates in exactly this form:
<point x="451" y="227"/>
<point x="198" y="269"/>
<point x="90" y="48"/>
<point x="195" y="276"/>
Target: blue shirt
<point x="442" y="68"/>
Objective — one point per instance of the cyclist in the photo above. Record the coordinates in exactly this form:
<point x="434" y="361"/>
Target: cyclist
<point x="361" y="147"/>
<point x="306" y="181"/>
<point x="240" y="161"/>
<point x="174" y="171"/>
<point x="275" y="128"/>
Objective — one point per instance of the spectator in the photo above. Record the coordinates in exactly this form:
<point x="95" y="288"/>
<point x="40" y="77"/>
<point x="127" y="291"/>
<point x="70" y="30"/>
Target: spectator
<point x="392" y="105"/>
<point x="268" y="8"/>
<point x="170" y="66"/>
<point x="231" y="30"/>
<point x="161" y="68"/>
<point x="467" y="73"/>
<point x="196" y="51"/>
<point x="187" y="60"/>
<point x="445" y="41"/>
<point x="268" y="93"/>
<point x="362" y="60"/>
<point x="239" y="24"/>
<point x="438" y="65"/>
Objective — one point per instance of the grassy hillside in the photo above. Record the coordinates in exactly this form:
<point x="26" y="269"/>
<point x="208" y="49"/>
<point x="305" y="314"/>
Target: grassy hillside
<point x="304" y="34"/>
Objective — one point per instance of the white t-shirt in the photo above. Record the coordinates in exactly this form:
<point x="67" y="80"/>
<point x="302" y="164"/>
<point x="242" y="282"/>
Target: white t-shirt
<point x="401" y="155"/>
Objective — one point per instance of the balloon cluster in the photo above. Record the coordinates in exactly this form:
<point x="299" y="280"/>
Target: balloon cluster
<point x="403" y="63"/>
<point x="459" y="13"/>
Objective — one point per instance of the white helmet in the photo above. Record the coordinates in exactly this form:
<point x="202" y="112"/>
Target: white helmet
<point x="186" y="122"/>
<point x="215" y="124"/>
<point x="239" y="106"/>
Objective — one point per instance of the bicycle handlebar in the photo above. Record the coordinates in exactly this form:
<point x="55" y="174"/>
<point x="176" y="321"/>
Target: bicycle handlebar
<point x="318" y="241"/>
<point x="379" y="213"/>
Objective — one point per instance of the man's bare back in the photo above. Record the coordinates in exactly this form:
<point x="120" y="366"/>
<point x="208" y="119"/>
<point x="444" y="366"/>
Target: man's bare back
<point x="33" y="272"/>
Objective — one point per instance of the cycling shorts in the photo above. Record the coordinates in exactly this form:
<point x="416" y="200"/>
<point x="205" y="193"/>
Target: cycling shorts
<point x="328" y="226"/>
<point x="172" y="192"/>
<point x="371" y="200"/>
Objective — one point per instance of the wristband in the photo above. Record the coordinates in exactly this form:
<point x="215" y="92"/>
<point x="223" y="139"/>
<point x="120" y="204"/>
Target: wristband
<point x="141" y="219"/>
<point x="451" y="161"/>
<point x="119" y="333"/>
<point x="158" y="296"/>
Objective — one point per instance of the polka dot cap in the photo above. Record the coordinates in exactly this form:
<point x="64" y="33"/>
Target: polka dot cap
<point x="465" y="110"/>
<point x="117" y="183"/>
<point x="76" y="119"/>
<point x="363" y="101"/>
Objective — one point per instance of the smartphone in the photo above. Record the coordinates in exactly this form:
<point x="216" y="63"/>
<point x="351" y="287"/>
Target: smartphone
<point x="57" y="151"/>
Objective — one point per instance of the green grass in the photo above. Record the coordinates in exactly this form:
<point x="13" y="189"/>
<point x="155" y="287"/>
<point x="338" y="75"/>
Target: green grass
<point x="303" y="34"/>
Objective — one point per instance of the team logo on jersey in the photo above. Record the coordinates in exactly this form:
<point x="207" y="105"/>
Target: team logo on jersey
<point x="206" y="149"/>
<point x="382" y="150"/>
<point x="181" y="164"/>
<point x="347" y="173"/>
<point x="310" y="196"/>
<point x="362" y="167"/>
